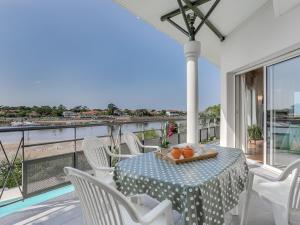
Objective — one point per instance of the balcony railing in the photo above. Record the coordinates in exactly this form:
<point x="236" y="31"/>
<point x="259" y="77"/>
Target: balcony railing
<point x="35" y="167"/>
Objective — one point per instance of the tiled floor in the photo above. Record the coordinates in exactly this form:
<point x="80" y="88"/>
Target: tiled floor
<point x="65" y="210"/>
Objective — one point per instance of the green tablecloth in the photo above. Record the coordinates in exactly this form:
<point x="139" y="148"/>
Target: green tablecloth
<point x="202" y="191"/>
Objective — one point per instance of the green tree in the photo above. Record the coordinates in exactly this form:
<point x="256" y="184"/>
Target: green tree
<point x="44" y="110"/>
<point x="142" y="112"/>
<point x="213" y="111"/>
<point x="21" y="113"/>
<point x="60" y="109"/>
<point x="128" y="112"/>
<point x="162" y="112"/>
<point x="111" y="108"/>
<point x="80" y="109"/>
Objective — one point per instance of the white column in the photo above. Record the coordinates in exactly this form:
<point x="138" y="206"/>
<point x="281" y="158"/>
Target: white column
<point x="192" y="52"/>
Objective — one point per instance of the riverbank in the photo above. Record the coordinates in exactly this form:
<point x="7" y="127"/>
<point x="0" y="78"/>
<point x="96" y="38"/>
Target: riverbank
<point x="43" y="141"/>
<point x="56" y="121"/>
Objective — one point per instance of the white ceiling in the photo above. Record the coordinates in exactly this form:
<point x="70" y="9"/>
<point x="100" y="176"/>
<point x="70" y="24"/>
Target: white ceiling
<point x="283" y="6"/>
<point x="227" y="16"/>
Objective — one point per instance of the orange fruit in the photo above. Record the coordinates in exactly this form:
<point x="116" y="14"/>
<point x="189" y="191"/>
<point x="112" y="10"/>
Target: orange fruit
<point x="188" y="152"/>
<point x="176" y="153"/>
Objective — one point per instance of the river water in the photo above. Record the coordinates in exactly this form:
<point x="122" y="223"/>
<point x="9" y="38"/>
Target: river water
<point x="68" y="133"/>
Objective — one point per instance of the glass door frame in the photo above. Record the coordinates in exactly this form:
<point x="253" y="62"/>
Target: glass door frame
<point x="264" y="64"/>
<point x="265" y="115"/>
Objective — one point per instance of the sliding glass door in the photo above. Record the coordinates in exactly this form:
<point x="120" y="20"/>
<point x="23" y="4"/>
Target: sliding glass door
<point x="283" y="113"/>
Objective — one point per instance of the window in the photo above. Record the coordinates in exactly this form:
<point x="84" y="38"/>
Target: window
<point x="283" y="112"/>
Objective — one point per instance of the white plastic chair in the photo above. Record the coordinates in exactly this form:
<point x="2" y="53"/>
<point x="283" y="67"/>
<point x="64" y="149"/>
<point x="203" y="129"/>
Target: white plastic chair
<point x="282" y="192"/>
<point x="97" y="154"/>
<point x="134" y="144"/>
<point x="103" y="205"/>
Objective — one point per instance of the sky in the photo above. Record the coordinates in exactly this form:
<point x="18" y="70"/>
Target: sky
<point x="92" y="52"/>
<point x="283" y="85"/>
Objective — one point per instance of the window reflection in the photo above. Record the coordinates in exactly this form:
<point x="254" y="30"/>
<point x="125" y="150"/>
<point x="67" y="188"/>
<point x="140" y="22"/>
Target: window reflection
<point x="283" y="112"/>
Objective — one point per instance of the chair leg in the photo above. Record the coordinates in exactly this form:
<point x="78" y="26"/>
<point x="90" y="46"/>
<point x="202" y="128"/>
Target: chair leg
<point x="227" y="218"/>
<point x="169" y="217"/>
<point x="280" y="215"/>
<point x="235" y="211"/>
<point x="245" y="209"/>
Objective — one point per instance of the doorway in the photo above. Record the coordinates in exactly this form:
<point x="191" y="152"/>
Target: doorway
<point x="249" y="113"/>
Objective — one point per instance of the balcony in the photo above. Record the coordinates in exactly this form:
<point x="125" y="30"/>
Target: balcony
<point x="39" y="154"/>
<point x="45" y="196"/>
<point x="261" y="34"/>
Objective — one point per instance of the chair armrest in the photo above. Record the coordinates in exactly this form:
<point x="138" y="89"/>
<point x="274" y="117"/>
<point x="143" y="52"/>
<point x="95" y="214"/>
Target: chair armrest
<point x="149" y="146"/>
<point x="118" y="155"/>
<point x="165" y="207"/>
<point x="121" y="156"/>
<point x="104" y="169"/>
<point x="135" y="198"/>
<point x="265" y="174"/>
<point x="146" y="146"/>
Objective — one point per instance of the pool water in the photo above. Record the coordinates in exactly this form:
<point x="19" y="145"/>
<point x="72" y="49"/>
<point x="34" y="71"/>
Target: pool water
<point x="14" y="207"/>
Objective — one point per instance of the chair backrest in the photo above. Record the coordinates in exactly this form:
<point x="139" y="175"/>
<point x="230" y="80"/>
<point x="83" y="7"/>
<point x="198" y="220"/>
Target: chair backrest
<point x="294" y="194"/>
<point x="132" y="142"/>
<point x="101" y="204"/>
<point x="95" y="152"/>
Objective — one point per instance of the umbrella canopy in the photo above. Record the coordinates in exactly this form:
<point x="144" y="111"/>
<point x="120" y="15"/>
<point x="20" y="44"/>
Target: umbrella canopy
<point x="226" y="17"/>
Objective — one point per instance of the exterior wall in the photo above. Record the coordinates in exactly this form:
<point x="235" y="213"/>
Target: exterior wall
<point x="257" y="41"/>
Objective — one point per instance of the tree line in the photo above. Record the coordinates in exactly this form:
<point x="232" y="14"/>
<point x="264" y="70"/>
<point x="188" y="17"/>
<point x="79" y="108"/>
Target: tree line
<point x="111" y="110"/>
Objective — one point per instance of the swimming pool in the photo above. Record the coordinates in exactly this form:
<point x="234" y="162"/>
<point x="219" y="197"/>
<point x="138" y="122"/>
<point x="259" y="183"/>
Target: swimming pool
<point x="14" y="207"/>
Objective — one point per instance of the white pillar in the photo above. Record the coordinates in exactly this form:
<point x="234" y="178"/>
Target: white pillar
<point x="192" y="52"/>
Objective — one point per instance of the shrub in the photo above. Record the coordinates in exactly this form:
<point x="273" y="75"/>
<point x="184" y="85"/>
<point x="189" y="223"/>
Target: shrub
<point x="149" y="134"/>
<point x="254" y="133"/>
<point x="16" y="173"/>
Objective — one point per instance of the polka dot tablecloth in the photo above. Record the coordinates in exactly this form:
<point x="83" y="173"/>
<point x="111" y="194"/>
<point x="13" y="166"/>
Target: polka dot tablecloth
<point x="202" y="191"/>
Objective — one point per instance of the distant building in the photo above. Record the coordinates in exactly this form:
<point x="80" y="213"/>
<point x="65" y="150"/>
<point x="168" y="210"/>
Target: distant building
<point x="172" y="113"/>
<point x="69" y="114"/>
<point x="89" y="114"/>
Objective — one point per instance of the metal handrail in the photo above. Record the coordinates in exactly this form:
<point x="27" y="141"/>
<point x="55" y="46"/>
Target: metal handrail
<point x="54" y="127"/>
<point x="118" y="135"/>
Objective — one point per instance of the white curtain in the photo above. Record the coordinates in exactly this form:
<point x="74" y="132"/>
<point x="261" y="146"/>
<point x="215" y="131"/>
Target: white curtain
<point x="253" y="107"/>
<point x="243" y="115"/>
<point x="248" y="111"/>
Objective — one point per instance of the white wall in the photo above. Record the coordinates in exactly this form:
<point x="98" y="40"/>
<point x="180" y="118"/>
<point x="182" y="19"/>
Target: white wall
<point x="259" y="39"/>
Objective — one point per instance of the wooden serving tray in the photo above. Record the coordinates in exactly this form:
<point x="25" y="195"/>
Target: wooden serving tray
<point x="207" y="154"/>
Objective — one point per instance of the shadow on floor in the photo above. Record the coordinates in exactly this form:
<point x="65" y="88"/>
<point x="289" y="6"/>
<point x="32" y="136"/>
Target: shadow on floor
<point x="65" y="210"/>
